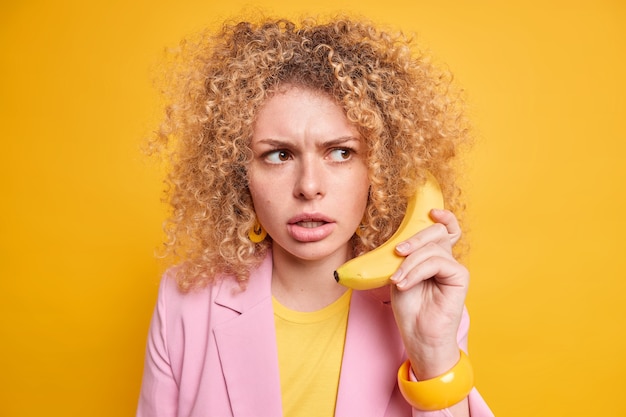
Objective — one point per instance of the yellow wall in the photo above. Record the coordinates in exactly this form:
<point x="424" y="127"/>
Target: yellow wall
<point x="80" y="212"/>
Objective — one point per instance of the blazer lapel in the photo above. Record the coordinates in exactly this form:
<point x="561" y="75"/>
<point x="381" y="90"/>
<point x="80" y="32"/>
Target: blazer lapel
<point x="247" y="346"/>
<point x="372" y="354"/>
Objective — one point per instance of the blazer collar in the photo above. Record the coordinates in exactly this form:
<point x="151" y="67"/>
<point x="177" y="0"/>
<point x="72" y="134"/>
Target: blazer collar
<point x="247" y="345"/>
<point x="258" y="289"/>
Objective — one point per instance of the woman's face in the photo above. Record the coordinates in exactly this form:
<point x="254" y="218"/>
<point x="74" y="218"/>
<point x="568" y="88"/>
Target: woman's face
<point x="308" y="177"/>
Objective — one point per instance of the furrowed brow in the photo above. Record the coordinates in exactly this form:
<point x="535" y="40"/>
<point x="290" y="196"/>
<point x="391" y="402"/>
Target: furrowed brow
<point x="341" y="141"/>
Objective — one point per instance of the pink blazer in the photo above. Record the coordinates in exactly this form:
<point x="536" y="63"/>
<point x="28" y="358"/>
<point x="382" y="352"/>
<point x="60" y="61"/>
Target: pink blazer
<point x="213" y="353"/>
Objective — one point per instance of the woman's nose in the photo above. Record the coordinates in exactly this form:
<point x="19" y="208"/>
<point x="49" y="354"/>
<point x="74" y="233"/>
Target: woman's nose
<point x="310" y="181"/>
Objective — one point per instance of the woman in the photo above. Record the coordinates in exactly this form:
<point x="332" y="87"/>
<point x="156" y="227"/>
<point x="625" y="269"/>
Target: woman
<point x="285" y="140"/>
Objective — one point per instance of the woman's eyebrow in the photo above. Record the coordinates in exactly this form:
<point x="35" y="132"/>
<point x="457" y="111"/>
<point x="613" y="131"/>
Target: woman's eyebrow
<point x="275" y="143"/>
<point x="278" y="143"/>
<point x="340" y="141"/>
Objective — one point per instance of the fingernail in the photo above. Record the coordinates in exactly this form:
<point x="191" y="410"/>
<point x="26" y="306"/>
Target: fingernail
<point x="396" y="275"/>
<point x="403" y="247"/>
<point x="437" y="211"/>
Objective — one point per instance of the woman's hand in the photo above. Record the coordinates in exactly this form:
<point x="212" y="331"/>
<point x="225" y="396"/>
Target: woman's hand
<point x="429" y="296"/>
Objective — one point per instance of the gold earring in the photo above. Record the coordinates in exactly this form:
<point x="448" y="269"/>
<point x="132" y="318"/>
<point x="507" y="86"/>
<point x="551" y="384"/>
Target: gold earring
<point x="359" y="230"/>
<point x="257" y="233"/>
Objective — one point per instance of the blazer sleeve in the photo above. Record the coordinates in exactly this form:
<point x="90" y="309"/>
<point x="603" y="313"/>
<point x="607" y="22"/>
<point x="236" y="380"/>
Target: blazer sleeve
<point x="478" y="407"/>
<point x="159" y="389"/>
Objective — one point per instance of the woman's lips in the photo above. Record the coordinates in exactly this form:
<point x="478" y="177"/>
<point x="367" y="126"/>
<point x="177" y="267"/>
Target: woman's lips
<point x="310" y="227"/>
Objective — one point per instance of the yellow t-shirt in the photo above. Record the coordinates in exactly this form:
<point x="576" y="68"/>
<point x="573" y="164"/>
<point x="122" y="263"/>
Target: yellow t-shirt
<point x="310" y="350"/>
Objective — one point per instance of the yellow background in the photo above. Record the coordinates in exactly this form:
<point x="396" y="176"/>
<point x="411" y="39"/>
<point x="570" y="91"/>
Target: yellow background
<point x="80" y="212"/>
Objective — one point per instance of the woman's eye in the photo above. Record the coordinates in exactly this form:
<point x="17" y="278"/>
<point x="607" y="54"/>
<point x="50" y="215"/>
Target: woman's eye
<point x="341" y="154"/>
<point x="276" y="157"/>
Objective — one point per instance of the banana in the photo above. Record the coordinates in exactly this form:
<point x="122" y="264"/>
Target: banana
<point x="373" y="269"/>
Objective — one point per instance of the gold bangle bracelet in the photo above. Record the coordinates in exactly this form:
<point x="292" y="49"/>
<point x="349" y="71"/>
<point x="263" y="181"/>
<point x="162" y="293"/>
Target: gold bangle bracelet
<point x="439" y="392"/>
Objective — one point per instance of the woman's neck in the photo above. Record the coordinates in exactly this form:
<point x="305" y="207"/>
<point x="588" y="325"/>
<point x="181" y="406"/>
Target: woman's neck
<point x="304" y="285"/>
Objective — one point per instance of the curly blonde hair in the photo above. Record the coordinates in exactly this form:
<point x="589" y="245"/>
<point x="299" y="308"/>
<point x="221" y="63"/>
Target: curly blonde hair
<point x="402" y="104"/>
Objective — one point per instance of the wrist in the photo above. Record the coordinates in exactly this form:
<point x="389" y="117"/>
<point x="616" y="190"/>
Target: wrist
<point x="430" y="363"/>
<point x="440" y="392"/>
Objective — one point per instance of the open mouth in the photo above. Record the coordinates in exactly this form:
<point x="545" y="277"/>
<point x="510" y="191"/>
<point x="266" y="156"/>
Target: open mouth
<point x="310" y="224"/>
<point x="311" y="227"/>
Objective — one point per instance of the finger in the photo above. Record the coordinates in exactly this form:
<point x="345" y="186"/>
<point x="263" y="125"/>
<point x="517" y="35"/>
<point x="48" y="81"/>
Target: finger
<point x="430" y="249"/>
<point x="449" y="220"/>
<point x="444" y="272"/>
<point x="437" y="233"/>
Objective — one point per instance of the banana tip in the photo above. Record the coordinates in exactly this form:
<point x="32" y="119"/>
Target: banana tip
<point x="336" y="276"/>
